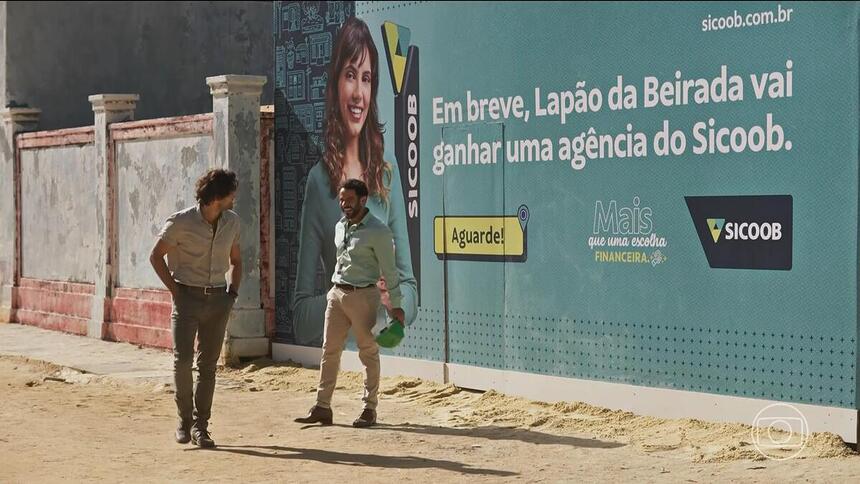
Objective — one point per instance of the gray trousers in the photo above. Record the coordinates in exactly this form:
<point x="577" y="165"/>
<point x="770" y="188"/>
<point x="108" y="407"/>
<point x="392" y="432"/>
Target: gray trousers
<point x="203" y="316"/>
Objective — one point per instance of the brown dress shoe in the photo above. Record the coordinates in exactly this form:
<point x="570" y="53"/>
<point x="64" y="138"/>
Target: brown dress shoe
<point x="366" y="419"/>
<point x="183" y="434"/>
<point x="201" y="438"/>
<point x="317" y="414"/>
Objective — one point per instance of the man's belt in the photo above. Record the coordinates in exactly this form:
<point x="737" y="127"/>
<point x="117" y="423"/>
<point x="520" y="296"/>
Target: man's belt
<point x="350" y="287"/>
<point x="206" y="291"/>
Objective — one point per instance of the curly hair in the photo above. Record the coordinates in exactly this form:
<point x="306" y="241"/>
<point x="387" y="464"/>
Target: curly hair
<point x="217" y="183"/>
<point x="350" y="46"/>
<point x="358" y="186"/>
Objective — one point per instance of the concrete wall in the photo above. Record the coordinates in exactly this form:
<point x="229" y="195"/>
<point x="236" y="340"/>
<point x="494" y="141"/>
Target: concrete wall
<point x="7" y="220"/>
<point x="59" y="234"/>
<point x="3" y="54"/>
<point x="61" y="52"/>
<point x="272" y="215"/>
<point x="7" y="194"/>
<point x="92" y="214"/>
<point x="155" y="178"/>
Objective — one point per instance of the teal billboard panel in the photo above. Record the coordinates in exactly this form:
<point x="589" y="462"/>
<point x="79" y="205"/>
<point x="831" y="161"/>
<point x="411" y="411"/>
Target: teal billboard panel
<point x="645" y="193"/>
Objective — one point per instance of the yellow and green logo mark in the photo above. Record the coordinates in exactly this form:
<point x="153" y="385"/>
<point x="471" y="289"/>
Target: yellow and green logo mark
<point x="396" y="48"/>
<point x="715" y="225"/>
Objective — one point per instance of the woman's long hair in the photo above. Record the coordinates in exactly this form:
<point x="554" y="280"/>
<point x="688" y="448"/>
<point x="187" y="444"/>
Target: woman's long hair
<point x="351" y="43"/>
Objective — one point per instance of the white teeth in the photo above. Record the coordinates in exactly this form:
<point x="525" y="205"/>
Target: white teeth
<point x="356" y="110"/>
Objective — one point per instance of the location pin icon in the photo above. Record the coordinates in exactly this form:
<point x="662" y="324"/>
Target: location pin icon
<point x="523" y="216"/>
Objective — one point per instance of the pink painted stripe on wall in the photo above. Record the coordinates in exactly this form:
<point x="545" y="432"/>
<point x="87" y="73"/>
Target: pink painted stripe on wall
<point x="155" y="295"/>
<point x="163" y="127"/>
<point x="54" y="322"/>
<point x="59" y="137"/>
<point x="59" y="286"/>
<point x="130" y="333"/>
<point x="66" y="303"/>
<point x="140" y="312"/>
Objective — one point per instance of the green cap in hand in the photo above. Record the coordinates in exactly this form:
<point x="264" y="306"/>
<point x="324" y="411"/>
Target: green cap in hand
<point x="391" y="336"/>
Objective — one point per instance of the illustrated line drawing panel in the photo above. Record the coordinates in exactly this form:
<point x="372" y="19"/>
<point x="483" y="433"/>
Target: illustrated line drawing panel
<point x="304" y="41"/>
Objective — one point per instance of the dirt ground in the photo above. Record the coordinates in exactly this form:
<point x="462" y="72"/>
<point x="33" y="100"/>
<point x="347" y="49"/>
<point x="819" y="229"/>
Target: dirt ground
<point x="58" y="424"/>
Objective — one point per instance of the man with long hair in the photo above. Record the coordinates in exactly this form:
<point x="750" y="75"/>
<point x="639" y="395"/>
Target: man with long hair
<point x="201" y="244"/>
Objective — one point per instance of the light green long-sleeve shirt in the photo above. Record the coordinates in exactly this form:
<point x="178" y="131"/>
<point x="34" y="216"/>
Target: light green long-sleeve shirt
<point x="320" y="214"/>
<point x="365" y="251"/>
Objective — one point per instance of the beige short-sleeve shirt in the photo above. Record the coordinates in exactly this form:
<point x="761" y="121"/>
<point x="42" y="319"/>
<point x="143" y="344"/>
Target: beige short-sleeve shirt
<point x="200" y="252"/>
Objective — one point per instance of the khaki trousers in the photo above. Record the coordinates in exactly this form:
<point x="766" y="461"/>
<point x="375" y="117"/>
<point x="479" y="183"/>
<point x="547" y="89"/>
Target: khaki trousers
<point x="347" y="309"/>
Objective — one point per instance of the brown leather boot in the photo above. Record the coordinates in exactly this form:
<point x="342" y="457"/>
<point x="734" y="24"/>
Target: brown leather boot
<point x="183" y="433"/>
<point x="316" y="414"/>
<point x="201" y="438"/>
<point x="366" y="419"/>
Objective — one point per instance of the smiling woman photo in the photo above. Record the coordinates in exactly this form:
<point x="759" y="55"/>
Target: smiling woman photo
<point x="353" y="149"/>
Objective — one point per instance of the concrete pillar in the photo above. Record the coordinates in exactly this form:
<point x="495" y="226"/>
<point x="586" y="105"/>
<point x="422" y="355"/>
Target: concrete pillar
<point x="236" y="136"/>
<point x="107" y="109"/>
<point x="14" y="121"/>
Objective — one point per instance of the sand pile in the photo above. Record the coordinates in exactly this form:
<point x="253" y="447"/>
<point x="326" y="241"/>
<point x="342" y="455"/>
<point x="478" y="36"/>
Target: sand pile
<point x="263" y="374"/>
<point x="691" y="439"/>
<point x="702" y="441"/>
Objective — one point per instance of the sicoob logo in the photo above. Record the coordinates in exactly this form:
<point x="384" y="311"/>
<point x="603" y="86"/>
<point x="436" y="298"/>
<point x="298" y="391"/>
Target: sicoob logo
<point x="744" y="232"/>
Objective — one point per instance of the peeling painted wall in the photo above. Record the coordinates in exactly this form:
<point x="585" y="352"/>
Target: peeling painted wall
<point x="7" y="216"/>
<point x="59" y="236"/>
<point x="61" y="52"/>
<point x="271" y="238"/>
<point x="3" y="55"/>
<point x="242" y="133"/>
<point x="7" y="197"/>
<point x="155" y="179"/>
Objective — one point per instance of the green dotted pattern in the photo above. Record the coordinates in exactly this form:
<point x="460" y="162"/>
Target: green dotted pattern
<point x="746" y="363"/>
<point x="807" y="369"/>
<point x="425" y="338"/>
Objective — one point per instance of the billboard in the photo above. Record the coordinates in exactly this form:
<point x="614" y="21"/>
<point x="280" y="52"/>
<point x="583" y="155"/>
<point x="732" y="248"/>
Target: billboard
<point x="658" y="195"/>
